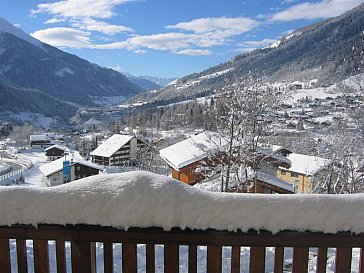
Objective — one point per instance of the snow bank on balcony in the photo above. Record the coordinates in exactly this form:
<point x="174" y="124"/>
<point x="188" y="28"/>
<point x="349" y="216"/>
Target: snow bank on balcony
<point x="141" y="199"/>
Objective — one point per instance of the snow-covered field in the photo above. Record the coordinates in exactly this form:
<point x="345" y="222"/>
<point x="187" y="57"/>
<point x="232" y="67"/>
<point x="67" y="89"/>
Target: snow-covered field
<point x="34" y="176"/>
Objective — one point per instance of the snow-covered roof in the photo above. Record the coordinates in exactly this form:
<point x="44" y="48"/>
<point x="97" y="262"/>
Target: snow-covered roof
<point x="306" y="164"/>
<point x="142" y="200"/>
<point x="274" y="152"/>
<point x="112" y="145"/>
<point x="57" y="147"/>
<point x="46" y="136"/>
<point x="275" y="181"/>
<point x="57" y="165"/>
<point x="190" y="150"/>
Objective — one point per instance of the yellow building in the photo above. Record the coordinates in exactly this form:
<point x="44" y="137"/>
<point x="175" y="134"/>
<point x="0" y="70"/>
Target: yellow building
<point x="302" y="171"/>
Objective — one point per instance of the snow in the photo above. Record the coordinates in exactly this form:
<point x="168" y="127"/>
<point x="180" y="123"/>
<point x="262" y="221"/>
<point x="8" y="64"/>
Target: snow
<point x="57" y="165"/>
<point x="142" y="199"/>
<point x="112" y="145"/>
<point x="4" y="167"/>
<point x="56" y="146"/>
<point x="92" y="121"/>
<point x="62" y="72"/>
<point x="190" y="150"/>
<point x="275" y="181"/>
<point x="36" y="119"/>
<point x="5" y="26"/>
<point x="306" y="164"/>
<point x="107" y="101"/>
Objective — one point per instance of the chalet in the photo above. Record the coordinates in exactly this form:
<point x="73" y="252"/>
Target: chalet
<point x="45" y="140"/>
<point x="60" y="171"/>
<point x="296" y="85"/>
<point x="302" y="171"/>
<point x="118" y="150"/>
<point x="186" y="157"/>
<point x="54" y="152"/>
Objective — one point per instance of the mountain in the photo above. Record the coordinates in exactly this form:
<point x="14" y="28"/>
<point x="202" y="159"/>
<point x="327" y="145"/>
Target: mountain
<point x="144" y="83"/>
<point x="159" y="80"/>
<point x="28" y="64"/>
<point x="19" y="100"/>
<point x="322" y="51"/>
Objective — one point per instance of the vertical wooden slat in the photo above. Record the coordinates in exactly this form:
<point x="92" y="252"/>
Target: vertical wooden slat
<point x="5" y="256"/>
<point x="361" y="261"/>
<point x="343" y="260"/>
<point x="21" y="251"/>
<point x="129" y="258"/>
<point x="171" y="258"/>
<point x="108" y="258"/>
<point x="300" y="260"/>
<point x="257" y="260"/>
<point x="61" y="257"/>
<point x="214" y="259"/>
<point x="321" y="260"/>
<point x="278" y="259"/>
<point x="150" y="262"/>
<point x="82" y="258"/>
<point x="192" y="259"/>
<point x="41" y="257"/>
<point x="235" y="259"/>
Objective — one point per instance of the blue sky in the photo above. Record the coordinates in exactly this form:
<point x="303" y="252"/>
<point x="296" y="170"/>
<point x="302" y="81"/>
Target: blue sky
<point x="164" y="38"/>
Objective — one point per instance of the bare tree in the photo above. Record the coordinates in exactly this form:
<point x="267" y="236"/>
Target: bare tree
<point x="242" y="115"/>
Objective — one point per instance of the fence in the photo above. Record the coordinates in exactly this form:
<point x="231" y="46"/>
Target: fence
<point x="26" y="166"/>
<point x="83" y="238"/>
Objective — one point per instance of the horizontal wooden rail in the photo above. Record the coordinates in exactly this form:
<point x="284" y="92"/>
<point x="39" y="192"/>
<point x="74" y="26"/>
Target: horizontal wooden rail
<point x="84" y="237"/>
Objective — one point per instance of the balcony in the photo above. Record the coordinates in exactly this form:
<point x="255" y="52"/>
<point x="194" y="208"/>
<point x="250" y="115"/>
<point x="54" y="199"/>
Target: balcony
<point x="140" y="222"/>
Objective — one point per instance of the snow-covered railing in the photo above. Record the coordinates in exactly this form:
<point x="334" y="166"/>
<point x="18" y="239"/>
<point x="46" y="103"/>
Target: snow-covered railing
<point x="26" y="165"/>
<point x="143" y="210"/>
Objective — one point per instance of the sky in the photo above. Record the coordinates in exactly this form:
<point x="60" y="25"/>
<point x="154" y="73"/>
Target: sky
<point x="164" y="38"/>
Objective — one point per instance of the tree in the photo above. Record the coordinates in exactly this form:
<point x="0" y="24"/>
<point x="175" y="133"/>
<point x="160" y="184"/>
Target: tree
<point x="241" y="115"/>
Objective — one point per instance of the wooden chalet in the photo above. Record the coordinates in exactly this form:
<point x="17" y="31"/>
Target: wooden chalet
<point x="54" y="152"/>
<point x="302" y="171"/>
<point x="186" y="158"/>
<point x="118" y="150"/>
<point x="54" y="172"/>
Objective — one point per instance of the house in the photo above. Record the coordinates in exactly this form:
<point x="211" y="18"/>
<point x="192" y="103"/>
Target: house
<point x="296" y="85"/>
<point x="271" y="158"/>
<point x="188" y="157"/>
<point x="62" y="171"/>
<point x="45" y="140"/>
<point x="118" y="150"/>
<point x="302" y="171"/>
<point x="54" y="152"/>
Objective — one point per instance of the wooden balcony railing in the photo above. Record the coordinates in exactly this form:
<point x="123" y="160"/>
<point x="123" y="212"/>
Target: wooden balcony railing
<point x="83" y="251"/>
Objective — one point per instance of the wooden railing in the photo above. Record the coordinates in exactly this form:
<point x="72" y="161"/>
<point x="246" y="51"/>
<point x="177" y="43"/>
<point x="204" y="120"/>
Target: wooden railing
<point x="83" y="253"/>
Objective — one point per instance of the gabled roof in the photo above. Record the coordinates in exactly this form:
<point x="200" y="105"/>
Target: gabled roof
<point x="112" y="145"/>
<point x="275" y="181"/>
<point x="59" y="147"/>
<point x="306" y="164"/>
<point x="57" y="165"/>
<point x="190" y="150"/>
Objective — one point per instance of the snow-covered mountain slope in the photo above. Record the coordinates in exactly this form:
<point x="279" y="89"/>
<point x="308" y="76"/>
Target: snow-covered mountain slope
<point x="27" y="63"/>
<point x="322" y="51"/>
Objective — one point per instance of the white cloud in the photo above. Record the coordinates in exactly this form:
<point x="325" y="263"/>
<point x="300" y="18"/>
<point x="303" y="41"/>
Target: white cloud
<point x="230" y="26"/>
<point x="140" y="51"/>
<point x="17" y="25"/>
<point x="80" y="8"/>
<point x="103" y="27"/>
<point x="316" y="10"/>
<point x="54" y="21"/>
<point x="194" y="52"/>
<point x="258" y="44"/>
<point x="64" y="37"/>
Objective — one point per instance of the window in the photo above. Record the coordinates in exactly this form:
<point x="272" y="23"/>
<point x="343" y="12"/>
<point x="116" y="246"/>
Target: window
<point x="283" y="172"/>
<point x="294" y="174"/>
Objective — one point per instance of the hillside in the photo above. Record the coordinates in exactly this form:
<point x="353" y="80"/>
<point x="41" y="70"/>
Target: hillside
<point x="28" y="63"/>
<point x="322" y="51"/>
